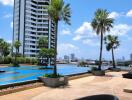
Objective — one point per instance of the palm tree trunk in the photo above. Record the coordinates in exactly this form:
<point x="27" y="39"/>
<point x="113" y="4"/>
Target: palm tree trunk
<point x="55" y="57"/>
<point x="101" y="49"/>
<point x="113" y="58"/>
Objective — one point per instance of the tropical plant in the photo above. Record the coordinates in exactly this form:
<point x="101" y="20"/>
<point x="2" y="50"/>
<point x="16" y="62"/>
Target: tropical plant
<point x="43" y="54"/>
<point x="34" y="61"/>
<point x="58" y="11"/>
<point x="1" y="45"/>
<point x="43" y="45"/>
<point x="43" y="42"/>
<point x="46" y="53"/>
<point x="17" y="45"/>
<point x="51" y="53"/>
<point x="112" y="43"/>
<point x="4" y="48"/>
<point x="101" y="23"/>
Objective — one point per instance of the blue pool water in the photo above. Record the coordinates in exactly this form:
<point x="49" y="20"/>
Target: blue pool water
<point x="26" y="73"/>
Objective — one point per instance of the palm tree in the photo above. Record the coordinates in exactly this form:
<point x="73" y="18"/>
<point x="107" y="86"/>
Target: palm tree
<point x="58" y="11"/>
<point x="112" y="43"/>
<point x="101" y="23"/>
<point x="17" y="45"/>
<point x="4" y="48"/>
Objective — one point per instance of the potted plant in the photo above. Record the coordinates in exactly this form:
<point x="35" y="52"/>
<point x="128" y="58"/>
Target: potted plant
<point x="53" y="80"/>
<point x="101" y="24"/>
<point x="57" y="11"/>
<point x="97" y="72"/>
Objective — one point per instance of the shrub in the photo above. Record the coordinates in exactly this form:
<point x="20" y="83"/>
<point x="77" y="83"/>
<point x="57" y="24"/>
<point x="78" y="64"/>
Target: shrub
<point x="27" y="60"/>
<point x="53" y="75"/>
<point x="21" y="60"/>
<point x="7" y="60"/>
<point x="12" y="59"/>
<point x="94" y="69"/>
<point x="1" y="60"/>
<point x="15" y="64"/>
<point x="33" y="61"/>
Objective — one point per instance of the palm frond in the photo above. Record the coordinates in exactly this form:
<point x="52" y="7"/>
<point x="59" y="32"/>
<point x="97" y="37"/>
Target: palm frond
<point x="111" y="42"/>
<point x="58" y="11"/>
<point x="101" y="21"/>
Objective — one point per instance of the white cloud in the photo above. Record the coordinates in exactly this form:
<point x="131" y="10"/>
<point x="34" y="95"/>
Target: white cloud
<point x="114" y="15"/>
<point x="67" y="48"/>
<point x="84" y="28"/>
<point x="120" y="29"/>
<point x="9" y="41"/>
<point x="84" y="31"/>
<point x="7" y="2"/>
<point x="11" y="24"/>
<point x="77" y="37"/>
<point x="129" y="14"/>
<point x="65" y="32"/>
<point x="86" y="35"/>
<point x="8" y="15"/>
<point x="90" y="42"/>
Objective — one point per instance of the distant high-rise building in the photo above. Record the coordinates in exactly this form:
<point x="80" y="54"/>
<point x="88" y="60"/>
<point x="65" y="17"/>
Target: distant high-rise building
<point x="131" y="57"/>
<point x="66" y="58"/>
<point x="31" y="21"/>
<point x="73" y="57"/>
<point x="123" y="58"/>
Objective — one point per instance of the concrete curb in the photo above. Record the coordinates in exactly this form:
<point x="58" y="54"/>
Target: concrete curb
<point x="128" y="89"/>
<point x="18" y="89"/>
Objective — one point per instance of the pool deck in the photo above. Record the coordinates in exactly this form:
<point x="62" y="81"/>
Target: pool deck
<point x="112" y="83"/>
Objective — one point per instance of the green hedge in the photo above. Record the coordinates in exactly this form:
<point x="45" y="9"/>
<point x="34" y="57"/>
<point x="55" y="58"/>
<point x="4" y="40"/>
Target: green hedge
<point x="20" y="60"/>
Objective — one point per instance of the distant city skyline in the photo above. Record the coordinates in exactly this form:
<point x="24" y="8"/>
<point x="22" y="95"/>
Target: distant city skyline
<point x="79" y="38"/>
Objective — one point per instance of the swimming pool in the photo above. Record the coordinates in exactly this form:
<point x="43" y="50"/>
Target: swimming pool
<point x="28" y="73"/>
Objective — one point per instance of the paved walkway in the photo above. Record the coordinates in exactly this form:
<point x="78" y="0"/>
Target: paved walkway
<point x="78" y="88"/>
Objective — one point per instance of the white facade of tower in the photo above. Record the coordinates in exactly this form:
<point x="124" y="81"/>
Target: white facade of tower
<point x="31" y="22"/>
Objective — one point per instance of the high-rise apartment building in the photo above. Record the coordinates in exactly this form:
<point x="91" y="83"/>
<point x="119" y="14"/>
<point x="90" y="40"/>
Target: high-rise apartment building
<point x="31" y="21"/>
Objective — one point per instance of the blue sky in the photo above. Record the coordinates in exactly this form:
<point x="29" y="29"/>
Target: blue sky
<point x="79" y="37"/>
